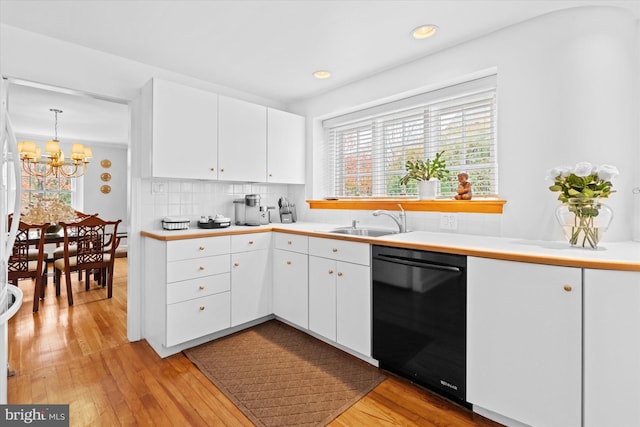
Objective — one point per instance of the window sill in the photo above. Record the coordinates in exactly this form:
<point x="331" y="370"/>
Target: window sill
<point x="479" y="205"/>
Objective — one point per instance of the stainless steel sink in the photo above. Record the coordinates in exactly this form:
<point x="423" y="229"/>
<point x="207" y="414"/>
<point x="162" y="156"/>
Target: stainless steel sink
<point x="365" y="232"/>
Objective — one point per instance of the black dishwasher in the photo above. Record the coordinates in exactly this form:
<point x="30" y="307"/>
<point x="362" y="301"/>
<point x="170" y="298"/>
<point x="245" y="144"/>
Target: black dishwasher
<point x="419" y="317"/>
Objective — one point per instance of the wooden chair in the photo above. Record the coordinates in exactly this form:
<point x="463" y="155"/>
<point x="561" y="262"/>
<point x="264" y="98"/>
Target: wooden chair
<point x="58" y="252"/>
<point x="95" y="243"/>
<point x="27" y="258"/>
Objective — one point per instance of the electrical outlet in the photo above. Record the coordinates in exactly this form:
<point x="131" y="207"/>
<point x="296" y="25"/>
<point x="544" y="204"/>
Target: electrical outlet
<point x="448" y="221"/>
<point x="157" y="188"/>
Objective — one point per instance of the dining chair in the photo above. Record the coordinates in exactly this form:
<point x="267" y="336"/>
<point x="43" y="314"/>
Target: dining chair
<point x="26" y="260"/>
<point x="94" y="242"/>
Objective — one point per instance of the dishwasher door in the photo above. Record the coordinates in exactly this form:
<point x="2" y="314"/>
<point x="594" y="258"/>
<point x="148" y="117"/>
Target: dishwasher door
<point x="419" y="317"/>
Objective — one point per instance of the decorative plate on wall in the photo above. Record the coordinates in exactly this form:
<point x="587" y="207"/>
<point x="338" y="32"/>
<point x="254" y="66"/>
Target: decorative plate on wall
<point x="105" y="176"/>
<point x="106" y="163"/>
<point x="106" y="189"/>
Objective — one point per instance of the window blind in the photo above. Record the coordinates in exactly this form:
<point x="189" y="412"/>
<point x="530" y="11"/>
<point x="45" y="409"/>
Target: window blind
<point x="366" y="151"/>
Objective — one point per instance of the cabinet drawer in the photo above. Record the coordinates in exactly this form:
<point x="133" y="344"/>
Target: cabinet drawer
<point x="198" y="317"/>
<point x="358" y="253"/>
<point x="291" y="242"/>
<point x="197" y="268"/>
<point x="250" y="242"/>
<point x="196" y="288"/>
<point x="197" y="248"/>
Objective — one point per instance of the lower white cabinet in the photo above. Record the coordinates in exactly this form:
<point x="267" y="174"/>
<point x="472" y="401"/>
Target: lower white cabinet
<point x="524" y="346"/>
<point x="340" y="292"/>
<point x="186" y="290"/>
<point x="611" y="348"/>
<point x="251" y="277"/>
<point x="291" y="278"/>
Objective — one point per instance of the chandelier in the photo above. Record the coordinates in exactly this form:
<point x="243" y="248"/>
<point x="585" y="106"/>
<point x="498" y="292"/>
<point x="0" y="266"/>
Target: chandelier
<point x="54" y="164"/>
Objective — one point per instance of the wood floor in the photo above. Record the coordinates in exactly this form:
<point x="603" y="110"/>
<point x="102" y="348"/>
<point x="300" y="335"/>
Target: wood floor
<point x="80" y="356"/>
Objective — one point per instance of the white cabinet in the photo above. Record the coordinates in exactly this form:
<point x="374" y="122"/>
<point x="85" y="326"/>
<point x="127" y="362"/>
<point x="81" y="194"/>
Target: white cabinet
<point x="611" y="348"/>
<point x="340" y="292"/>
<point x="285" y="147"/>
<point x="524" y="328"/>
<point x="242" y="140"/>
<point x="291" y="278"/>
<point x="251" y="290"/>
<point x="181" y="131"/>
<point x="187" y="290"/>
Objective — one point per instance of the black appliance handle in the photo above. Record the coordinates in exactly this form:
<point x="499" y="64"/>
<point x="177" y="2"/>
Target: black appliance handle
<point x="418" y="263"/>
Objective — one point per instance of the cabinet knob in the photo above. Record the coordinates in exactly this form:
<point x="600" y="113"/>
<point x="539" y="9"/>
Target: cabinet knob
<point x="330" y="271"/>
<point x="339" y="274"/>
<point x="335" y="249"/>
<point x="289" y="242"/>
<point x="251" y="242"/>
<point x="270" y="175"/>
<point x="201" y="248"/>
<point x="236" y="264"/>
<point x="288" y="262"/>
<point x="222" y="170"/>
<point x="201" y="287"/>
<point x="202" y="308"/>
<point x="213" y="169"/>
<point x="201" y="267"/>
<point x="568" y="288"/>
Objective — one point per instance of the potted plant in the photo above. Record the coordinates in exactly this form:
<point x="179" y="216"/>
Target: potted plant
<point x="427" y="174"/>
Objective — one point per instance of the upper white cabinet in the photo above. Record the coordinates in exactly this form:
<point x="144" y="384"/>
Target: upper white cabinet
<point x="611" y="348"/>
<point x="180" y="121"/>
<point x="524" y="346"/>
<point x="285" y="147"/>
<point x="242" y="138"/>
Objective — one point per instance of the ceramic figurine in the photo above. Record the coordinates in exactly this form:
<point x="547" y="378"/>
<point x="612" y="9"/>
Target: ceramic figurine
<point x="464" y="187"/>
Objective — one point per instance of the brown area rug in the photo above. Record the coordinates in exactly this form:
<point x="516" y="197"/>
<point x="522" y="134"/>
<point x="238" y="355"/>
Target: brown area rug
<point x="279" y="376"/>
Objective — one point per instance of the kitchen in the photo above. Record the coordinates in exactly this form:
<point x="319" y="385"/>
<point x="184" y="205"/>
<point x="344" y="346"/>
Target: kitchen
<point x="542" y="80"/>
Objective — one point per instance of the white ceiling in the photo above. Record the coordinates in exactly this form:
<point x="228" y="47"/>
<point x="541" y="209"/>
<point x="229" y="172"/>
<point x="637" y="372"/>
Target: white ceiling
<point x="271" y="47"/>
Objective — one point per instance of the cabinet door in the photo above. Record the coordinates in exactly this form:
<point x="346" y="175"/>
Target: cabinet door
<point x="291" y="287"/>
<point x="185" y="123"/>
<point x="524" y="341"/>
<point x="251" y="295"/>
<point x="242" y="137"/>
<point x="285" y="147"/>
<point x="353" y="307"/>
<point x="611" y="348"/>
<point x="322" y="297"/>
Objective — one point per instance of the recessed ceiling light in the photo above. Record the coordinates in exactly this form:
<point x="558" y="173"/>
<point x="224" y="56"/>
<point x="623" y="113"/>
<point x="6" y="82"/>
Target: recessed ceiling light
<point x="424" y="31"/>
<point x="322" y="74"/>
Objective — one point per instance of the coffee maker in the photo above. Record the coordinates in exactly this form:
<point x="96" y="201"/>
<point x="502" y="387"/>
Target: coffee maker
<point x="247" y="210"/>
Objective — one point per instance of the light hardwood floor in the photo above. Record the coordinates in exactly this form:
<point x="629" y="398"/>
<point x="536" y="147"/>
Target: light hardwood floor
<point x="81" y="356"/>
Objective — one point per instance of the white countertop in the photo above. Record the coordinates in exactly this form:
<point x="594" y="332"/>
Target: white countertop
<point x="609" y="255"/>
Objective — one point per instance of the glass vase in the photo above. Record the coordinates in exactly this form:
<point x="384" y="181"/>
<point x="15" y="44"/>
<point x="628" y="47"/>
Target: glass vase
<point x="584" y="221"/>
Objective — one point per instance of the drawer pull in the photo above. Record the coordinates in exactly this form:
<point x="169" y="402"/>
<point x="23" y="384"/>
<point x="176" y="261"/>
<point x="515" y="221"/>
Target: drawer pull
<point x="213" y="169"/>
<point x="201" y="287"/>
<point x="339" y="273"/>
<point x="251" y="242"/>
<point x="289" y="242"/>
<point x="201" y="267"/>
<point x="335" y="249"/>
<point x="236" y="264"/>
<point x="568" y="288"/>
<point x="288" y="262"/>
<point x="201" y="248"/>
<point x="202" y="308"/>
<point x="330" y="271"/>
<point x="222" y="170"/>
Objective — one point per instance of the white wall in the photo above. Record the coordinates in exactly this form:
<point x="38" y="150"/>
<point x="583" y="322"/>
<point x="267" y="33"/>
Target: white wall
<point x="565" y="94"/>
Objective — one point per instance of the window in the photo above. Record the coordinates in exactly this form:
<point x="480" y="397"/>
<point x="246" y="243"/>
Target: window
<point x="366" y="150"/>
<point x="47" y="187"/>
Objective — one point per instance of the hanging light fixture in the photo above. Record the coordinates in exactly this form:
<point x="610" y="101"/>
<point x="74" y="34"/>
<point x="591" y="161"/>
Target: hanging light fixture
<point x="54" y="163"/>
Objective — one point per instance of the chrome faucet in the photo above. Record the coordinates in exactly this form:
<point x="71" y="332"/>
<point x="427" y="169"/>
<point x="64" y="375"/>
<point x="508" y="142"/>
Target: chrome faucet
<point x="401" y="221"/>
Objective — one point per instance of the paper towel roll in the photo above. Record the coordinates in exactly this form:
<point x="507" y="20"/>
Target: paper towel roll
<point x="636" y="214"/>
